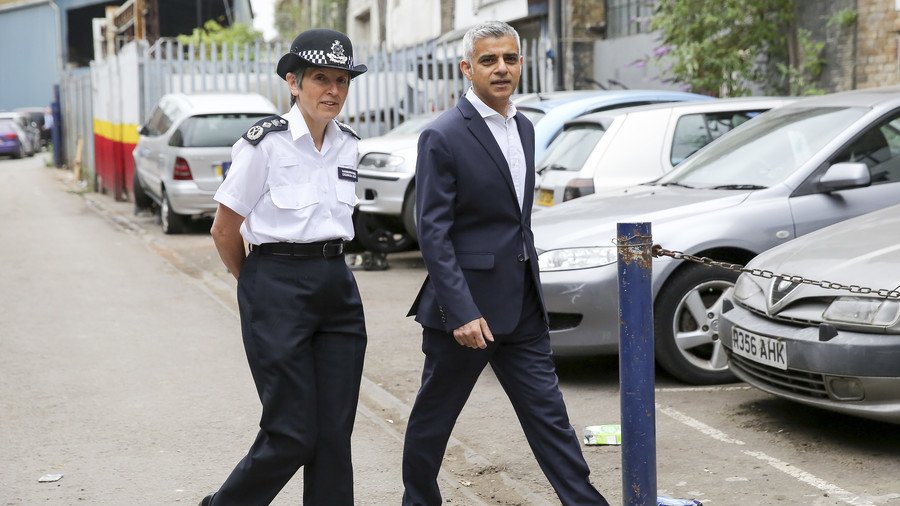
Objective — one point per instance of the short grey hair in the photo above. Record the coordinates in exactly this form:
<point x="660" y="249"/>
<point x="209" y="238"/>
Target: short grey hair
<point x="494" y="29"/>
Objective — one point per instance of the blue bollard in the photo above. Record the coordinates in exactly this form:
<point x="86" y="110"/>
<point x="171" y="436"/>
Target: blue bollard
<point x="636" y="365"/>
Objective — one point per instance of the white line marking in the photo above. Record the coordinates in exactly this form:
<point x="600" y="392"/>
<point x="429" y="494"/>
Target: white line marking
<point x="809" y="479"/>
<point x="795" y="472"/>
<point x="698" y="425"/>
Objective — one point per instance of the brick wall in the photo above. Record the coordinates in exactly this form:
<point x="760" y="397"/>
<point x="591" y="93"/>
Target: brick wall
<point x="840" y="47"/>
<point x="876" y="53"/>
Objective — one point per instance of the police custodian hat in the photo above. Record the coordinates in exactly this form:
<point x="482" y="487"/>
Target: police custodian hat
<point x="320" y="47"/>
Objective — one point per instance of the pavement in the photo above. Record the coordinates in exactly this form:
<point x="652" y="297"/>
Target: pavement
<point x="123" y="371"/>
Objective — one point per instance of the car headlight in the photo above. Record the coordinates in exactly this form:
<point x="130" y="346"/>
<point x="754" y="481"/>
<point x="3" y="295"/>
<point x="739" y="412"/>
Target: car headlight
<point x="382" y="162"/>
<point x="863" y="310"/>
<point x="576" y="258"/>
<point x="746" y="287"/>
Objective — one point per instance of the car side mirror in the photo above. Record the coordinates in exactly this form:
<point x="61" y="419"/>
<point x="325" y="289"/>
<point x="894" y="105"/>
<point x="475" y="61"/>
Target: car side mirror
<point x="843" y="176"/>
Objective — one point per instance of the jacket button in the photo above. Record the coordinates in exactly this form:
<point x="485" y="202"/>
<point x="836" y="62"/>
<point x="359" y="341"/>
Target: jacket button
<point x="521" y="257"/>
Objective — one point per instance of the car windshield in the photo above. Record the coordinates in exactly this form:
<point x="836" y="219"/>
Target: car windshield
<point x="765" y="151"/>
<point x="412" y="125"/>
<point x="533" y="115"/>
<point x="571" y="149"/>
<point x="213" y="130"/>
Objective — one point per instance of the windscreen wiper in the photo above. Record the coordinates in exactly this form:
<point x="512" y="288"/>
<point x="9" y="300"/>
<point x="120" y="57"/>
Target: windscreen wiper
<point x="738" y="187"/>
<point x="673" y="183"/>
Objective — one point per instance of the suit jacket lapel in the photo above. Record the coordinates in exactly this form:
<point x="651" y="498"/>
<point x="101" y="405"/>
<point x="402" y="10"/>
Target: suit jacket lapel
<point x="484" y="136"/>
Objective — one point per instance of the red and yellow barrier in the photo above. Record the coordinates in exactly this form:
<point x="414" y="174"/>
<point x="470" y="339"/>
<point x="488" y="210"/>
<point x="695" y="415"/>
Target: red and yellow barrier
<point x="113" y="144"/>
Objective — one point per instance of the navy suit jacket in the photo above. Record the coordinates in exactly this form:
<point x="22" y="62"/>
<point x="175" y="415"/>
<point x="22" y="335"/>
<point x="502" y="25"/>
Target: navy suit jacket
<point x="472" y="234"/>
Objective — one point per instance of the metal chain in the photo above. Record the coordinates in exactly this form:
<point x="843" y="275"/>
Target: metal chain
<point x="659" y="251"/>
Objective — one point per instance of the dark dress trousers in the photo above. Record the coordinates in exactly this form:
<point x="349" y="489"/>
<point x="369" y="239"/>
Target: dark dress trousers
<point x="479" y="251"/>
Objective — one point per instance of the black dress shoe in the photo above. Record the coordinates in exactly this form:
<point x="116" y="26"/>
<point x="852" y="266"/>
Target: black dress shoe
<point x="207" y="501"/>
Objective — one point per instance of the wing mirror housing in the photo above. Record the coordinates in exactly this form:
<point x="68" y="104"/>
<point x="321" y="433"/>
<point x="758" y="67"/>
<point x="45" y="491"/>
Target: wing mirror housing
<point x="843" y="176"/>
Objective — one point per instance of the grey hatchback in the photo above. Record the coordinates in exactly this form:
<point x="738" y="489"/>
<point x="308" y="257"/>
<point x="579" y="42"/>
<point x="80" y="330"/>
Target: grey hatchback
<point x="833" y="345"/>
<point x="790" y="171"/>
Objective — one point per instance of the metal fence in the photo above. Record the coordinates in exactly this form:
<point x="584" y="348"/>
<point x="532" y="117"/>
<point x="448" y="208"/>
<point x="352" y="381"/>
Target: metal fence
<point x="77" y="124"/>
<point x="399" y="84"/>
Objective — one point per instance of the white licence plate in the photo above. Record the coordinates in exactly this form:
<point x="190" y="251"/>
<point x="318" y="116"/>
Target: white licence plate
<point x="757" y="348"/>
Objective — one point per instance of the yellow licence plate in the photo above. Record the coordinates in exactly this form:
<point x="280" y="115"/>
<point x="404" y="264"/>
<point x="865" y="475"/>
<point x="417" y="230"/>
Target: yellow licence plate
<point x="545" y="197"/>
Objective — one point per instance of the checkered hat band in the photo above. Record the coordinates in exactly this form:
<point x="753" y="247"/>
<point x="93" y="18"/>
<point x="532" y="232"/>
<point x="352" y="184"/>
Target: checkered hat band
<point x="313" y="56"/>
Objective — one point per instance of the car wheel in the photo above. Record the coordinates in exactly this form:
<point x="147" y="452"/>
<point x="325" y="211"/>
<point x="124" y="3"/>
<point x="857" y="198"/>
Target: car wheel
<point x="375" y="233"/>
<point x="686" y="325"/>
<point x="141" y="199"/>
<point x="409" y="213"/>
<point x="172" y="222"/>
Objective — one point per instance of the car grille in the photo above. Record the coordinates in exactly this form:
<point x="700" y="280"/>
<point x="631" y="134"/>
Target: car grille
<point x="781" y="318"/>
<point x="564" y="321"/>
<point x="796" y="382"/>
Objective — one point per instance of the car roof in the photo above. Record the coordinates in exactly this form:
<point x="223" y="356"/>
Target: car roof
<point x="716" y="105"/>
<point x="592" y="98"/>
<point x="867" y="97"/>
<point x="212" y="103"/>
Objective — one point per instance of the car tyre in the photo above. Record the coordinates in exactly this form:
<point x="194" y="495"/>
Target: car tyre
<point x="141" y="199"/>
<point x="409" y="213"/>
<point x="374" y="234"/>
<point x="172" y="222"/>
<point x="686" y="323"/>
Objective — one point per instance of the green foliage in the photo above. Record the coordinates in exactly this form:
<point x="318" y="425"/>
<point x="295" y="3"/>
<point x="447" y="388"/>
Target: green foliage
<point x="214" y="33"/>
<point x="723" y="51"/>
<point x="294" y="16"/>
<point x="843" y="18"/>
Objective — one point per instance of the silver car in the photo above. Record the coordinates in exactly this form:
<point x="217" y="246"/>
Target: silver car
<point x="833" y="347"/>
<point x="184" y="151"/>
<point x="792" y="170"/>
<point x="623" y="147"/>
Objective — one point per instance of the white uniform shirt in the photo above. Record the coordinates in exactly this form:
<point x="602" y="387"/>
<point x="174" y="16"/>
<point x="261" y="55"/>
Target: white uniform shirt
<point x="287" y="190"/>
<point x="506" y="133"/>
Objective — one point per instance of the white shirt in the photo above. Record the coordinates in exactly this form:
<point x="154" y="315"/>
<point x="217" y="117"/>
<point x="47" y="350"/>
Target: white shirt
<point x="506" y="133"/>
<point x="287" y="190"/>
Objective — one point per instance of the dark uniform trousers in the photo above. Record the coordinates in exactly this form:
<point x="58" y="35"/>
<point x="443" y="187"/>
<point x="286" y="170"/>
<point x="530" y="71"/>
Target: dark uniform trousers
<point x="305" y="338"/>
<point x="522" y="363"/>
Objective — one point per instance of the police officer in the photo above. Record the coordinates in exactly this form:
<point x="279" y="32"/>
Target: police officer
<point x="290" y="194"/>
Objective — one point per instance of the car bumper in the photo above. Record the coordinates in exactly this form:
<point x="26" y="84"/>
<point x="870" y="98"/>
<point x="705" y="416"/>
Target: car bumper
<point x="186" y="198"/>
<point x="382" y="192"/>
<point x="583" y="306"/>
<point x="818" y="373"/>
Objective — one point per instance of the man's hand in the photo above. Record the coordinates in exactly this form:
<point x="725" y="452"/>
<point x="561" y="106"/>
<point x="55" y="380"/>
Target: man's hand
<point x="474" y="334"/>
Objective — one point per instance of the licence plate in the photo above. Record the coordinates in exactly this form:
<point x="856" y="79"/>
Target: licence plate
<point x="222" y="169"/>
<point x="761" y="349"/>
<point x="545" y="197"/>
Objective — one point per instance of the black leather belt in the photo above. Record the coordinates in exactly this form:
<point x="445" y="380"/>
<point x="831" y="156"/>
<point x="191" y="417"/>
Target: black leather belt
<point x="323" y="249"/>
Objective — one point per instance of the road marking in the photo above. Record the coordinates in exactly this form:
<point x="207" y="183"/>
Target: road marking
<point x="698" y="425"/>
<point x="793" y="471"/>
<point x="809" y="479"/>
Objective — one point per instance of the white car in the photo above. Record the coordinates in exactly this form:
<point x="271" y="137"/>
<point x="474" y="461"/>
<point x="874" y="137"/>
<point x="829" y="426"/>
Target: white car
<point x="184" y="151"/>
<point x="622" y="147"/>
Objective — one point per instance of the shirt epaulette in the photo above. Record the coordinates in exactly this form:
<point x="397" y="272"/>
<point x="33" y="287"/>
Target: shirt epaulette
<point x="263" y="127"/>
<point x="347" y="129"/>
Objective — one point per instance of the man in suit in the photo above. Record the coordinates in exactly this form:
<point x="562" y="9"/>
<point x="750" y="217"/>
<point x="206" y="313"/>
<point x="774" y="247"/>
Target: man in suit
<point x="481" y="302"/>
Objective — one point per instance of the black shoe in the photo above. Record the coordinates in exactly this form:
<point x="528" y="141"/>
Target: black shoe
<point x="207" y="501"/>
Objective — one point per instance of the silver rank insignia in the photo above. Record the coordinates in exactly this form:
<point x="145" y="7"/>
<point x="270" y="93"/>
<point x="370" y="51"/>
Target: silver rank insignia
<point x="263" y="127"/>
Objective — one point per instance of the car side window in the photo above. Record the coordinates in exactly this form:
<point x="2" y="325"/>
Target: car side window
<point x="693" y="131"/>
<point x="879" y="149"/>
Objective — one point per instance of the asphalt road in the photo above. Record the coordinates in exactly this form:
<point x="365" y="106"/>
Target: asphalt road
<point x="122" y="370"/>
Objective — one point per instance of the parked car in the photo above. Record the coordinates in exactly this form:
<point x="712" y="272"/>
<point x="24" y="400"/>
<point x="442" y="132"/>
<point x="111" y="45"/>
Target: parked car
<point x="792" y="170"/>
<point x="622" y="147"/>
<point x="836" y="349"/>
<point x="31" y="137"/>
<point x="38" y="117"/>
<point x="12" y="139"/>
<point x="184" y="151"/>
<point x="549" y="116"/>
<point x="387" y="165"/>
